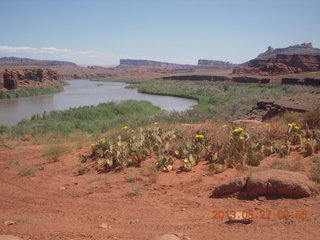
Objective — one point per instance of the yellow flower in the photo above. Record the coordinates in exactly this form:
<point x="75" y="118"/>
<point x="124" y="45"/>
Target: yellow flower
<point x="242" y="138"/>
<point x="289" y="125"/>
<point x="225" y="126"/>
<point x="296" y="127"/>
<point x="93" y="145"/>
<point x="156" y="123"/>
<point x="186" y="161"/>
<point x="199" y="136"/>
<point x="238" y="130"/>
<point x="125" y="127"/>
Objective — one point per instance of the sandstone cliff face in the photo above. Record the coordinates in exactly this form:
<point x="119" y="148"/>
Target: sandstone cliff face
<point x="281" y="64"/>
<point x="13" y="79"/>
<point x="14" y="61"/>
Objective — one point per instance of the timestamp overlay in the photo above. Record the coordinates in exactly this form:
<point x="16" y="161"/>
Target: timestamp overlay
<point x="259" y="214"/>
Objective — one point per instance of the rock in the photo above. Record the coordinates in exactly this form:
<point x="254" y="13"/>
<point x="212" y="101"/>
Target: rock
<point x="10" y="222"/>
<point x="268" y="108"/>
<point x="238" y="218"/>
<point x="9" y="237"/>
<point x="230" y="187"/>
<point x="105" y="226"/>
<point x="276" y="183"/>
<point x="63" y="188"/>
<point x="176" y="236"/>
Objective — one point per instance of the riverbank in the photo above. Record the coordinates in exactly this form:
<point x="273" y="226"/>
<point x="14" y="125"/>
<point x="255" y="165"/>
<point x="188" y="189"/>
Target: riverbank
<point x="31" y="91"/>
<point x="87" y="121"/>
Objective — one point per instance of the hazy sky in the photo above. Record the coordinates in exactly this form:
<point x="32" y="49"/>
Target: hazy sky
<point x="103" y="31"/>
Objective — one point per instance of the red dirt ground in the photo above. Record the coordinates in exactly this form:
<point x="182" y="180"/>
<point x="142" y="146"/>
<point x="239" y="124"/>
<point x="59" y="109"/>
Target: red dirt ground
<point x="57" y="204"/>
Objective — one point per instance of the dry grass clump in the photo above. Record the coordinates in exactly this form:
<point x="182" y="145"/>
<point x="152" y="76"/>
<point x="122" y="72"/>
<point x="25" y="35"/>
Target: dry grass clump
<point x="54" y="151"/>
<point x="312" y="119"/>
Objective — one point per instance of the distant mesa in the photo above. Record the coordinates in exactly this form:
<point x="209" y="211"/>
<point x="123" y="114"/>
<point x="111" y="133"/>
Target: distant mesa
<point x="213" y="63"/>
<point x="173" y="67"/>
<point x="15" y="61"/>
<point x="150" y="63"/>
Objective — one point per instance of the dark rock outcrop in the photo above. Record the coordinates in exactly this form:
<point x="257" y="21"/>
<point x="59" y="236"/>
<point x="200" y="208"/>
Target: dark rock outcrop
<point x="251" y="80"/>
<point x="270" y="183"/>
<point x="197" y="78"/>
<point x="268" y="108"/>
<point x="14" y="61"/>
<point x="13" y="79"/>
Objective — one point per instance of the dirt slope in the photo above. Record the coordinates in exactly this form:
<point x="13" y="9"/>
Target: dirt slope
<point x="57" y="204"/>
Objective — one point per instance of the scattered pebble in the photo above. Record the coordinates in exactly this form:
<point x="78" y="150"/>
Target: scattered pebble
<point x="10" y="222"/>
<point x="133" y="221"/>
<point x="63" y="188"/>
<point x="262" y="198"/>
<point x="105" y="226"/>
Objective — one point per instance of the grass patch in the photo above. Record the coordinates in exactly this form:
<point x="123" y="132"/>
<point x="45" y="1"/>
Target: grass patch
<point x="12" y="163"/>
<point x="26" y="171"/>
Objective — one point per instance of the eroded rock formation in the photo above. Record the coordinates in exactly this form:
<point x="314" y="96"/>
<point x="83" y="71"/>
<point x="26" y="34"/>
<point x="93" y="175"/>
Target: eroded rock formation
<point x="281" y="64"/>
<point x="13" y="79"/>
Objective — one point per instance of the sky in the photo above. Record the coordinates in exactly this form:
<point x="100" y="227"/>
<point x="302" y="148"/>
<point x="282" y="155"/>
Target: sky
<point x="100" y="32"/>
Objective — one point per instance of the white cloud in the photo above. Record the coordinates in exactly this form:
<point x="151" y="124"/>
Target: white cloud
<point x="53" y="53"/>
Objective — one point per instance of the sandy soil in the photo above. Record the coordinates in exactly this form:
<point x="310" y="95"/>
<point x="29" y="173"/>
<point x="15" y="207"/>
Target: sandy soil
<point x="58" y="204"/>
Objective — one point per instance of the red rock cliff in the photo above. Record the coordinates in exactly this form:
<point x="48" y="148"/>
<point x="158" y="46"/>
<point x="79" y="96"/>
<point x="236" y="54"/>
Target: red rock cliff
<point x="13" y="79"/>
<point x="281" y="64"/>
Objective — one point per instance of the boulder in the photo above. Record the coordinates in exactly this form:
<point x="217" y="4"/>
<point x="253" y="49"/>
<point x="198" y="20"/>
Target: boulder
<point x="278" y="183"/>
<point x="230" y="187"/>
<point x="270" y="183"/>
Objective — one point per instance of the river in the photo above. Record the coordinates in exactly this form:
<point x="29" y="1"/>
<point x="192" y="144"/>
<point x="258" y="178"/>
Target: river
<point x="83" y="93"/>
